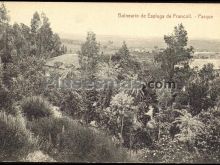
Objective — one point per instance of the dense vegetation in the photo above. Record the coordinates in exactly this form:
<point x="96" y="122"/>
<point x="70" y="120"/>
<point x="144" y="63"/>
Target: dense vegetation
<point x="110" y="124"/>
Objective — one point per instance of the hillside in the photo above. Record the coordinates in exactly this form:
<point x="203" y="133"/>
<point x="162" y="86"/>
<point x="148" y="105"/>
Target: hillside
<point x="73" y="42"/>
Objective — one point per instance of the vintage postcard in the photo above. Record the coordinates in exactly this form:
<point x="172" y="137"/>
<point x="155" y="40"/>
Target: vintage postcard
<point x="109" y="82"/>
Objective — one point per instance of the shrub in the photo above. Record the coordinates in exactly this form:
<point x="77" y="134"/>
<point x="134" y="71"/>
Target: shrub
<point x="170" y="151"/>
<point x="82" y="144"/>
<point x="54" y="96"/>
<point x="38" y="156"/>
<point x="15" y="140"/>
<point x="182" y="100"/>
<point x="68" y="141"/>
<point x="48" y="129"/>
<point x="5" y="98"/>
<point x="70" y="102"/>
<point x="36" y="107"/>
<point x="208" y="143"/>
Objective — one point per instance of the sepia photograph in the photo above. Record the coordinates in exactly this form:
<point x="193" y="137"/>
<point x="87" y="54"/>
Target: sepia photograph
<point x="94" y="82"/>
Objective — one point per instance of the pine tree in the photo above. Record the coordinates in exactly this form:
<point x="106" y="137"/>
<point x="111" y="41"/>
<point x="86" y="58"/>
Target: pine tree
<point x="35" y="23"/>
<point x="88" y="57"/>
<point x="176" y="51"/>
<point x="35" y="26"/>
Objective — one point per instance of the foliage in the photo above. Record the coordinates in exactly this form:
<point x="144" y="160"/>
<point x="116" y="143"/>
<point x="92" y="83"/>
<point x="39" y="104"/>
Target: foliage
<point x="27" y="81"/>
<point x="198" y="97"/>
<point x="127" y="66"/>
<point x="124" y="118"/>
<point x="89" y="146"/>
<point x="122" y="100"/>
<point x="36" y="107"/>
<point x="208" y="143"/>
<point x="37" y="156"/>
<point x="6" y="102"/>
<point x="88" y="60"/>
<point x="170" y="151"/>
<point x="48" y="129"/>
<point x="107" y="71"/>
<point x="182" y="75"/>
<point x="166" y="125"/>
<point x="164" y="96"/>
<point x="68" y="141"/>
<point x="88" y="56"/>
<point x="190" y="126"/>
<point x="69" y="101"/>
<point x="175" y="53"/>
<point x="207" y="73"/>
<point x="182" y="100"/>
<point x="15" y="140"/>
<point x="43" y="41"/>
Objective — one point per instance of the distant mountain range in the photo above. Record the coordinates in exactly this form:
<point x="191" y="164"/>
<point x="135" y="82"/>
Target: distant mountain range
<point x="147" y="43"/>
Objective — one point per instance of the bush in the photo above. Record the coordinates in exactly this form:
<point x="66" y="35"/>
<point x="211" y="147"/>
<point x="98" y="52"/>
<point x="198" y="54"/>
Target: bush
<point x="208" y="143"/>
<point x="181" y="100"/>
<point x="170" y="151"/>
<point x="6" y="100"/>
<point x="38" y="156"/>
<point x="48" y="129"/>
<point x="70" y="102"/>
<point x="36" y="107"/>
<point x="82" y="144"/>
<point x="68" y="141"/>
<point x="15" y="140"/>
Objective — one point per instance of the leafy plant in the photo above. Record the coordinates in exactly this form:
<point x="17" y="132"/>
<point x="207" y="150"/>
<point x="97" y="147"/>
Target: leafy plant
<point x="66" y="140"/>
<point x="190" y="126"/>
<point x="36" y="107"/>
<point x="15" y="140"/>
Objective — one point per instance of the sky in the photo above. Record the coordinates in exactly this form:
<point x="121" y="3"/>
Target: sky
<point x="103" y="18"/>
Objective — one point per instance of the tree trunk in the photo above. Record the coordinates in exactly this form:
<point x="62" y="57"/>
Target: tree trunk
<point x="122" y="125"/>
<point x="130" y="142"/>
<point x="158" y="132"/>
<point x="158" y="127"/>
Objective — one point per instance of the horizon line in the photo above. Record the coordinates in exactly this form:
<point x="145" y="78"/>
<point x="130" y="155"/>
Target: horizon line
<point x="128" y="36"/>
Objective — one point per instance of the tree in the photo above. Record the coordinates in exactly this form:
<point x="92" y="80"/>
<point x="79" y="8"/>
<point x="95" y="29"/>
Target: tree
<point x="44" y="37"/>
<point x="88" y="60"/>
<point x="4" y="38"/>
<point x="56" y="45"/>
<point x="5" y="44"/>
<point x="4" y="17"/>
<point x="122" y="103"/>
<point x="208" y="143"/>
<point x="207" y="73"/>
<point x="21" y="40"/>
<point x="182" y="76"/>
<point x="35" y="23"/>
<point x="164" y="96"/>
<point x="190" y="127"/>
<point x="214" y="92"/>
<point x="88" y="56"/>
<point x="35" y="26"/>
<point x="199" y="99"/>
<point x="43" y="41"/>
<point x="128" y="66"/>
<point x="176" y="51"/>
<point x="107" y="72"/>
